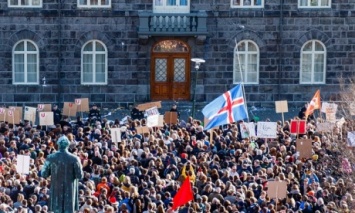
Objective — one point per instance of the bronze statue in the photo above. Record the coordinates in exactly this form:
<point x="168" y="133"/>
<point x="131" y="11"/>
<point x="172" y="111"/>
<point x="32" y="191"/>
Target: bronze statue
<point x="65" y="170"/>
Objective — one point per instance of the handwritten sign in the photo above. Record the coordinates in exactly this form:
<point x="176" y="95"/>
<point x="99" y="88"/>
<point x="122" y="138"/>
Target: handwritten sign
<point x="351" y="139"/>
<point x="116" y="135"/>
<point x="247" y="129"/>
<point x="3" y="114"/>
<point x="19" y="109"/>
<point x="325" y="127"/>
<point x="30" y="114"/>
<point x="46" y="118"/>
<point x="330" y="110"/>
<point x="23" y="164"/>
<point x="304" y="148"/>
<point x="152" y="111"/>
<point x="170" y="117"/>
<point x="13" y="116"/>
<point x="267" y="129"/>
<point x="281" y="106"/>
<point x="142" y="129"/>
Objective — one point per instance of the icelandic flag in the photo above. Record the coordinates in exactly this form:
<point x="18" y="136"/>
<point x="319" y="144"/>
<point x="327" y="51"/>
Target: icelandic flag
<point x="226" y="109"/>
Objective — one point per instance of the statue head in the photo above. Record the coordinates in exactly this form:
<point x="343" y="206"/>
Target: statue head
<point x="63" y="143"/>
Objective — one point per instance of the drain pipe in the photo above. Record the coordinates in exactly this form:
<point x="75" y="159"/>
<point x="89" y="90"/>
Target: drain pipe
<point x="280" y="42"/>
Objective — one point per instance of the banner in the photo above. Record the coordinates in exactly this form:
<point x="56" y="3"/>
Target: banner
<point x="23" y="164"/>
<point x="82" y="104"/>
<point x="267" y="129"/>
<point x="247" y="129"/>
<point x="304" y="148"/>
<point x="69" y="109"/>
<point x="116" y="135"/>
<point x="44" y="107"/>
<point x="46" y="118"/>
<point x="30" y="114"/>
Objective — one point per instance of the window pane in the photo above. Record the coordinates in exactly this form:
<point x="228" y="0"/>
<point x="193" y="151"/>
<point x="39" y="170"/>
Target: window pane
<point x="87" y="68"/>
<point x="24" y="2"/>
<point x="324" y="3"/>
<point x="88" y="47"/>
<point x="83" y="2"/>
<point x="247" y="3"/>
<point x="158" y="2"/>
<point x="170" y="46"/>
<point x="100" y="68"/>
<point x="183" y="2"/>
<point x="104" y="2"/>
<point x="179" y="70"/>
<point x="241" y="46"/>
<point x="19" y="68"/>
<point x="31" y="47"/>
<point x="251" y="47"/>
<point x="236" y="2"/>
<point x="36" y="2"/>
<point x="318" y="67"/>
<point x="171" y="2"/>
<point x="314" y="2"/>
<point x="94" y="2"/>
<point x="160" y="70"/>
<point x="304" y="2"/>
<point x="99" y="47"/>
<point x="318" y="46"/>
<point x="257" y="2"/>
<point x="308" y="47"/>
<point x="20" y="46"/>
<point x="14" y="2"/>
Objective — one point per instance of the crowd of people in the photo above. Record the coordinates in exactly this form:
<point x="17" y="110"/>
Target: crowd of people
<point x="143" y="173"/>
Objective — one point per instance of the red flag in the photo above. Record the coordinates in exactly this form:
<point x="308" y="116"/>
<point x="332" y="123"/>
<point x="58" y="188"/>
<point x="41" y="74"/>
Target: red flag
<point x="184" y="194"/>
<point x="314" y="104"/>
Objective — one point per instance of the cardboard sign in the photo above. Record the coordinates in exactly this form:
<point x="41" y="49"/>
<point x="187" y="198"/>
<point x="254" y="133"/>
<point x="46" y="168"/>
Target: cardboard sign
<point x="329" y="107"/>
<point x="116" y="135"/>
<point x="277" y="189"/>
<point x="82" y="104"/>
<point x="30" y="114"/>
<point x="46" y="118"/>
<point x="170" y="117"/>
<point x="19" y="109"/>
<point x="13" y="116"/>
<point x="44" y="107"/>
<point x="267" y="129"/>
<point x="143" y="107"/>
<point x="69" y="109"/>
<point x="247" y="129"/>
<point x="152" y="111"/>
<point x="23" y="164"/>
<point x="155" y="121"/>
<point x="3" y="112"/>
<point x="325" y="127"/>
<point x="298" y="127"/>
<point x="281" y="106"/>
<point x="351" y="139"/>
<point x="304" y="148"/>
<point x="142" y="129"/>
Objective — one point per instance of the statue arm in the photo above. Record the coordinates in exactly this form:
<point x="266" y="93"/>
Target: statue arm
<point x="78" y="170"/>
<point x="46" y="170"/>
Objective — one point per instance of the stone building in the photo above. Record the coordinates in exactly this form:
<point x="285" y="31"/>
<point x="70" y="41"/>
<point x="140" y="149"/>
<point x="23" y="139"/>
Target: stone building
<point x="117" y="52"/>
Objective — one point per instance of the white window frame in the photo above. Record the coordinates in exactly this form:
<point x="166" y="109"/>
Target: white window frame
<point x="309" y="4"/>
<point x="312" y="54"/>
<point x="93" y="53"/>
<point x="243" y="5"/>
<point x="89" y="5"/>
<point x="161" y="6"/>
<point x="237" y="62"/>
<point x="30" y="5"/>
<point x="25" y="52"/>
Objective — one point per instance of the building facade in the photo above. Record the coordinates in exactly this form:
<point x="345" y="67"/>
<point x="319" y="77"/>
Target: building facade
<point x="119" y="52"/>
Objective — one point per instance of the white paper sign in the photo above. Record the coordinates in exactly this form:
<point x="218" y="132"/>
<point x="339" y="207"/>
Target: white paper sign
<point x="351" y="139"/>
<point x="330" y="109"/>
<point x="325" y="127"/>
<point x="267" y="129"/>
<point x="116" y="135"/>
<point x="152" y="111"/>
<point x="152" y="120"/>
<point x="340" y="122"/>
<point x="247" y="129"/>
<point x="30" y="114"/>
<point x="46" y="118"/>
<point x="23" y="164"/>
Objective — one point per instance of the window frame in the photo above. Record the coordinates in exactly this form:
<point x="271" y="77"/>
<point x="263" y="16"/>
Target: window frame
<point x="178" y="8"/>
<point x="25" y="53"/>
<point x="25" y="6"/>
<point x="88" y="5"/>
<point x="310" y="6"/>
<point x="247" y="6"/>
<point x="236" y="57"/>
<point x="313" y="52"/>
<point x="93" y="53"/>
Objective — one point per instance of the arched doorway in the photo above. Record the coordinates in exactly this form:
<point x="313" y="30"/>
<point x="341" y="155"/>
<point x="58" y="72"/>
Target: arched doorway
<point x="170" y="71"/>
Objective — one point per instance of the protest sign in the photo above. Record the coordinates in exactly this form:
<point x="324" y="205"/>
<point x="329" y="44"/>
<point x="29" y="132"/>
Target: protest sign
<point x="170" y="117"/>
<point x="142" y="129"/>
<point x="325" y="127"/>
<point x="351" y="139"/>
<point x="281" y="106"/>
<point x="304" y="148"/>
<point x="30" y="114"/>
<point x="116" y="135"/>
<point x="69" y="109"/>
<point x="145" y="106"/>
<point x="277" y="189"/>
<point x="23" y="164"/>
<point x="155" y="121"/>
<point x="152" y="111"/>
<point x="19" y="109"/>
<point x="247" y="129"/>
<point x="44" y="107"/>
<point x="330" y="110"/>
<point x="298" y="126"/>
<point x="46" y="118"/>
<point x="3" y="112"/>
<point x="13" y="116"/>
<point x="82" y="104"/>
<point x="267" y="129"/>
<point x="340" y="122"/>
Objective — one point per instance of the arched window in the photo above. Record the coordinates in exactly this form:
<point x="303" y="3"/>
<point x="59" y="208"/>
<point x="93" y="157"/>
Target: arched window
<point x="246" y="63"/>
<point x="25" y="63"/>
<point x="94" y="63"/>
<point x="313" y="60"/>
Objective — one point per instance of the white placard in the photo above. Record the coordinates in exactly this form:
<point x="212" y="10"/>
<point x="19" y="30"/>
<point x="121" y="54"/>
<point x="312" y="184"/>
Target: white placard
<point x="23" y="164"/>
<point x="351" y="139"/>
<point x="325" y="127"/>
<point x="116" y="135"/>
<point x="329" y="107"/>
<point x="340" y="122"/>
<point x="46" y="118"/>
<point x="267" y="129"/>
<point x="281" y="106"/>
<point x="30" y="114"/>
<point x="152" y="120"/>
<point x="247" y="129"/>
<point x="152" y="111"/>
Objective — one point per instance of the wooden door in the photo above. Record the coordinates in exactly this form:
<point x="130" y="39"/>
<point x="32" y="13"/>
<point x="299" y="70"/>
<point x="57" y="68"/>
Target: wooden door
<point x="170" y="71"/>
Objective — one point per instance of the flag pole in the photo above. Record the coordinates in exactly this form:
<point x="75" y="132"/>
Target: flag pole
<point x="241" y="79"/>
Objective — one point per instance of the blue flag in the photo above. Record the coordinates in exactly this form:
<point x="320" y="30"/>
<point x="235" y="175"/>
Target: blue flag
<point x="226" y="109"/>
